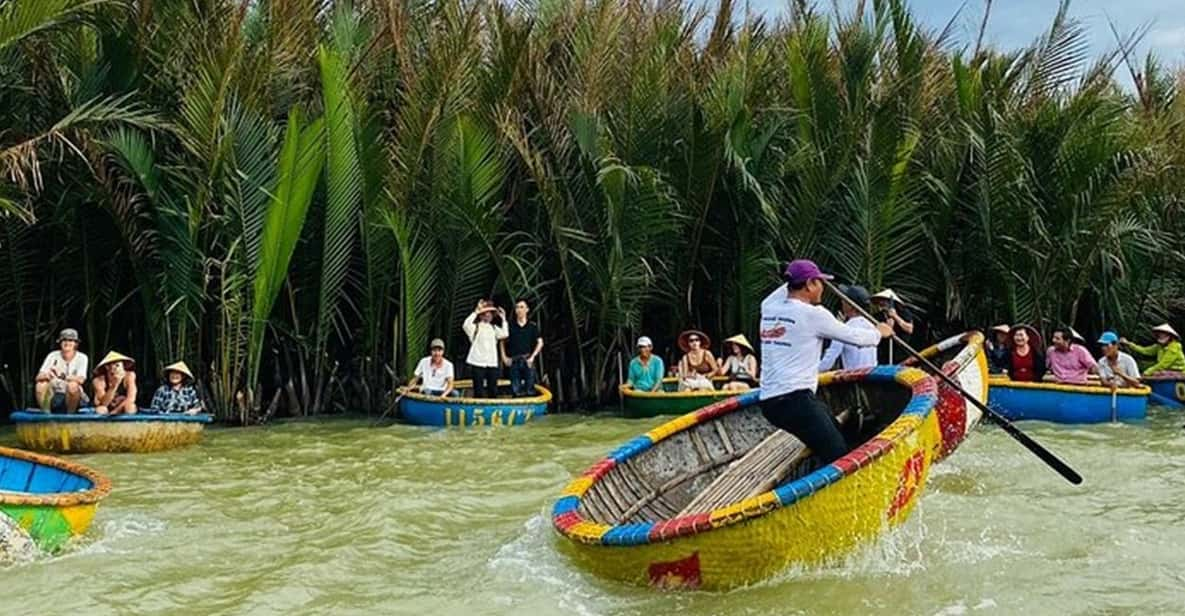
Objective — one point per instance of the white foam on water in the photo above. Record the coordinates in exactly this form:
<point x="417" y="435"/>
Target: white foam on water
<point x="113" y="534"/>
<point x="531" y="558"/>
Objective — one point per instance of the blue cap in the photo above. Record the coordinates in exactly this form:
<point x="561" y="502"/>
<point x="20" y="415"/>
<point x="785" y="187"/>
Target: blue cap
<point x="1109" y="338"/>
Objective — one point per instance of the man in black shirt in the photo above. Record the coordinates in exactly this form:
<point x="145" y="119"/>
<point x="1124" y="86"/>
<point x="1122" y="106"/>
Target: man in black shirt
<point x="520" y="349"/>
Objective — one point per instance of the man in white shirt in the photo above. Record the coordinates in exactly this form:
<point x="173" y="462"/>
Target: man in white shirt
<point x="435" y="372"/>
<point x="1116" y="368"/>
<point x="793" y="327"/>
<point x="62" y="374"/>
<point x="854" y="357"/>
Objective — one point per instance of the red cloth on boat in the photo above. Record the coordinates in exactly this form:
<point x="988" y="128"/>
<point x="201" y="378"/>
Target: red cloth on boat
<point x="1022" y="367"/>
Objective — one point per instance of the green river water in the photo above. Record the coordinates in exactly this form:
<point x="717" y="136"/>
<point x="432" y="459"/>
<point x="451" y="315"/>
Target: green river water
<point x="337" y="517"/>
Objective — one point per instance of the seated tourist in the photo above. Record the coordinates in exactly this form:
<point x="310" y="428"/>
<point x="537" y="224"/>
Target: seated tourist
<point x="697" y="364"/>
<point x="1026" y="362"/>
<point x="434" y="372"/>
<point x="60" y="380"/>
<point x="999" y="349"/>
<point x="646" y="370"/>
<point x="1069" y="362"/>
<point x="1116" y="368"/>
<point x="177" y="394"/>
<point x="853" y="356"/>
<point x="115" y="385"/>
<point x="741" y="364"/>
<point x="1167" y="350"/>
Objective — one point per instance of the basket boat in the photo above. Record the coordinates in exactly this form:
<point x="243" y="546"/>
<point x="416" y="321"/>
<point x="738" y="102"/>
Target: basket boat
<point x="1168" y="389"/>
<point x="670" y="401"/>
<point x="1067" y="404"/>
<point x="720" y="498"/>
<point x="44" y="500"/>
<point x="143" y="432"/>
<point x="416" y="408"/>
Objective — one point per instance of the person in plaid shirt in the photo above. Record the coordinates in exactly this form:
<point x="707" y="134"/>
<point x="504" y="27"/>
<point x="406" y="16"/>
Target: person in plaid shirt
<point x="177" y="395"/>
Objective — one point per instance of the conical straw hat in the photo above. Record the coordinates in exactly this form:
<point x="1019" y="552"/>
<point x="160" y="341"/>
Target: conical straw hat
<point x="179" y="367"/>
<point x="741" y="340"/>
<point x="114" y="356"/>
<point x="1167" y="329"/>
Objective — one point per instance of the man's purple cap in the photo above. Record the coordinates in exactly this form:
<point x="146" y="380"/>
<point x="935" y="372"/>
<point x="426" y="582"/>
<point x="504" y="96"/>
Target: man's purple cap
<point x="804" y="270"/>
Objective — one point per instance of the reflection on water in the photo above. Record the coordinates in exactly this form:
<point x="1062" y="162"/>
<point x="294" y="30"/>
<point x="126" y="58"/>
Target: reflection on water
<point x="338" y="517"/>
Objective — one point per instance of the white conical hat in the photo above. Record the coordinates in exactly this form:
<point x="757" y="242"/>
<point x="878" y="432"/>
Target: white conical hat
<point x="888" y="294"/>
<point x="1168" y="329"/>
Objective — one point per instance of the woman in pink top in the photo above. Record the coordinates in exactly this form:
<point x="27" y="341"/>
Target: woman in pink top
<point x="1069" y="362"/>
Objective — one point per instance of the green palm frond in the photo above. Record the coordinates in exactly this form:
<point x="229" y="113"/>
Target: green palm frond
<point x="301" y="158"/>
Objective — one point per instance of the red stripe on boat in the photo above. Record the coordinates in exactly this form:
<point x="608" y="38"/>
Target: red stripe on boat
<point x="717" y="409"/>
<point x="567" y="520"/>
<point x="599" y="469"/>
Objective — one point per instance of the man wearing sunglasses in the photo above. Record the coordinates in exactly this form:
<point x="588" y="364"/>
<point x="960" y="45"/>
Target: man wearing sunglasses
<point x="793" y="328"/>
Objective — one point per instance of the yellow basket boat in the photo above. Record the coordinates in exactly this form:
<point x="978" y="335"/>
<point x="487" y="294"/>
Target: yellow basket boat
<point x="719" y="498"/>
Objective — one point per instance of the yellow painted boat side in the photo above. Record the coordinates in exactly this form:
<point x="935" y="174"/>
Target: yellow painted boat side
<point x="108" y="437"/>
<point x="816" y="518"/>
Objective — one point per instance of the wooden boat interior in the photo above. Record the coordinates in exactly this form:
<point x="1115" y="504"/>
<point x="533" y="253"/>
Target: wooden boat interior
<point x="732" y="457"/>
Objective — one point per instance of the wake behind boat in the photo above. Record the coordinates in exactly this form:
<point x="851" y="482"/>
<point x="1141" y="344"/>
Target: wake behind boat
<point x="719" y="497"/>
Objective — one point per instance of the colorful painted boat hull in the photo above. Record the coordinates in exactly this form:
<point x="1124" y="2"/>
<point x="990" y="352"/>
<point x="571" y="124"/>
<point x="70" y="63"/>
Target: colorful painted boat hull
<point x="424" y="410"/>
<point x="89" y="433"/>
<point x="817" y="517"/>
<point x="962" y="358"/>
<point x="1066" y="404"/>
<point x="669" y="401"/>
<point x="48" y="499"/>
<point x="1168" y="390"/>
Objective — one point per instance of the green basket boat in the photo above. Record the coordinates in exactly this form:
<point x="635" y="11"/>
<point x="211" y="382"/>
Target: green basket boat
<point x="671" y="401"/>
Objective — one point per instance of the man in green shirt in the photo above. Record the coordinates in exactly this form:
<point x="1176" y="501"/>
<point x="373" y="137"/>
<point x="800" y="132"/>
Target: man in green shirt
<point x="1167" y="350"/>
<point x="646" y="370"/>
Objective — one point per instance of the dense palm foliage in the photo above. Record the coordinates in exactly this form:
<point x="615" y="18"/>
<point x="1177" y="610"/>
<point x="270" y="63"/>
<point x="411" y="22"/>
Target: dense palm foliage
<point x="295" y="196"/>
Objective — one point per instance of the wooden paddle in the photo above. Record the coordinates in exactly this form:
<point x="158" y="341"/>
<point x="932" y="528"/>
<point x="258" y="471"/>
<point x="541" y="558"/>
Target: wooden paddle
<point x="1114" y="409"/>
<point x="1046" y="456"/>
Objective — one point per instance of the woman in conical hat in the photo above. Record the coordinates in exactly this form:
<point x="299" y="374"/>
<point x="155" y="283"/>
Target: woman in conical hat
<point x="1167" y="350"/>
<point x="115" y="385"/>
<point x="740" y="364"/>
<point x="177" y="394"/>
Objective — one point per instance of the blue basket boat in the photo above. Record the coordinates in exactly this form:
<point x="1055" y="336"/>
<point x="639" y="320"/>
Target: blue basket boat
<point x="1067" y="404"/>
<point x="1168" y="389"/>
<point x="416" y="408"/>
<point x="143" y="432"/>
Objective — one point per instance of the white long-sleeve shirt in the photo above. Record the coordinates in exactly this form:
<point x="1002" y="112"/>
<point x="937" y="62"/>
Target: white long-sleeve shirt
<point x="483" y="341"/>
<point x="792" y="334"/>
<point x="853" y="356"/>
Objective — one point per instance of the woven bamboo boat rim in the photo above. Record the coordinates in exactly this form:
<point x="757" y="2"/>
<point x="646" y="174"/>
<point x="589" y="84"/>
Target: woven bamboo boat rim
<point x="1067" y="388"/>
<point x="544" y="396"/>
<point x="100" y="484"/>
<point x="568" y="521"/>
<point x="628" y="391"/>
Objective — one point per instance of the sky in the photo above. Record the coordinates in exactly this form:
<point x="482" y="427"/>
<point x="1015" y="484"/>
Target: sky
<point x="1014" y="23"/>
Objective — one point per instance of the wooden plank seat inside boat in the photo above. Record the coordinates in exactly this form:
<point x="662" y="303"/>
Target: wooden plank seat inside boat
<point x="727" y="460"/>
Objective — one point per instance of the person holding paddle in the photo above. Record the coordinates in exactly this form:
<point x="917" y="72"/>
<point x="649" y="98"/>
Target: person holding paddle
<point x="793" y="328"/>
<point x="1116" y="368"/>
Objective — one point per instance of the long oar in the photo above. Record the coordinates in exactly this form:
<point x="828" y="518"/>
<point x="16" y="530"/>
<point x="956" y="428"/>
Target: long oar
<point x="1046" y="456"/>
<point x="1114" y="406"/>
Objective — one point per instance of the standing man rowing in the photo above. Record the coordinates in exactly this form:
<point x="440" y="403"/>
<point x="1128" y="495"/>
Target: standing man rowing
<point x="793" y="327"/>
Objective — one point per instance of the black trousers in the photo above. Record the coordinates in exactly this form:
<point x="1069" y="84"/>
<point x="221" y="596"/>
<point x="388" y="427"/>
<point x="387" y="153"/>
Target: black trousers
<point x="802" y="414"/>
<point x="485" y="381"/>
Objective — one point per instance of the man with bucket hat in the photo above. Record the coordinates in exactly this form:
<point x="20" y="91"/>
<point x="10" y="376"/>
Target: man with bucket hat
<point x="793" y="328"/>
<point x="435" y="372"/>
<point x="60" y="380"/>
